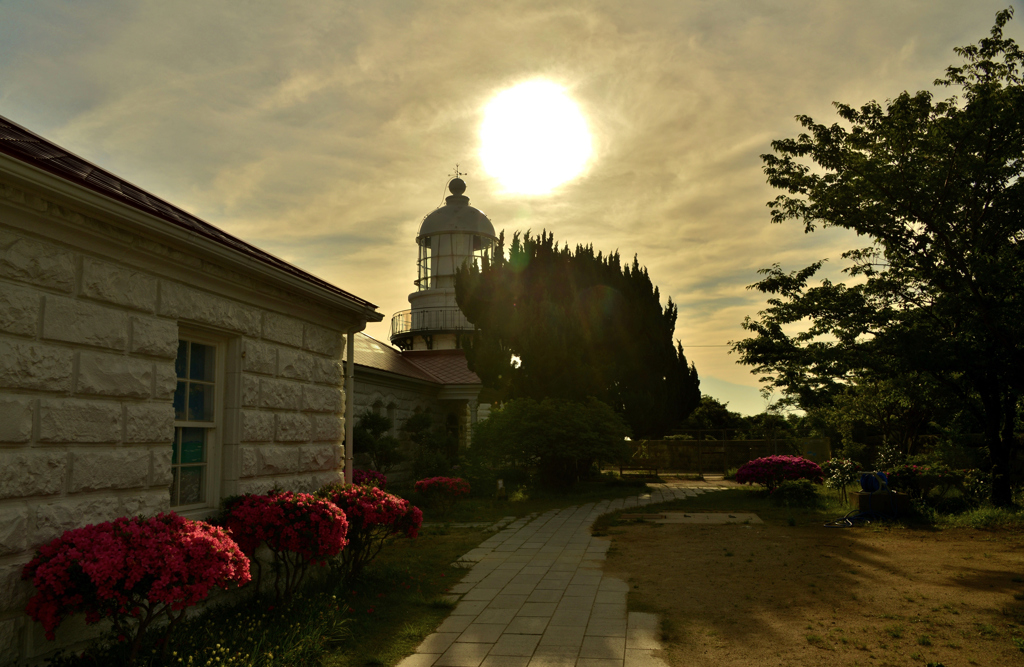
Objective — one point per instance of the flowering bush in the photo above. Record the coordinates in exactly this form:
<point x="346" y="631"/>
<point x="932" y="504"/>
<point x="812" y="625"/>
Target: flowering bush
<point x="374" y="518"/>
<point x="770" y="471"/>
<point x="369" y="478"/>
<point x="298" y="528"/>
<point x="839" y="474"/>
<point x="132" y="569"/>
<point x="442" y="492"/>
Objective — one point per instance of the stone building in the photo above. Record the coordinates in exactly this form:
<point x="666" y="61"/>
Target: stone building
<point x="148" y="362"/>
<point x="428" y="371"/>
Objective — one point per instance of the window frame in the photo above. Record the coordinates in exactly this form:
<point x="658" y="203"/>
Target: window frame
<point x="214" y="429"/>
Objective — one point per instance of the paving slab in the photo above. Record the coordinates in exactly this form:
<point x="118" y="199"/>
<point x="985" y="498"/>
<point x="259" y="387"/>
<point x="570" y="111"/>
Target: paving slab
<point x="482" y="633"/>
<point x="534" y="595"/>
<point x="464" y="655"/>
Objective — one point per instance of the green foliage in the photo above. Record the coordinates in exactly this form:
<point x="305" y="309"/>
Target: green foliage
<point x="259" y="632"/>
<point x="579" y="325"/>
<point x="435" y="446"/>
<point x="796" y="493"/>
<point x="933" y="313"/>
<point x="711" y="414"/>
<point x="558" y="440"/>
<point x="370" y="436"/>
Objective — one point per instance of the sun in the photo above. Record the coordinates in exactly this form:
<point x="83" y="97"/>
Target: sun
<point x="534" y="138"/>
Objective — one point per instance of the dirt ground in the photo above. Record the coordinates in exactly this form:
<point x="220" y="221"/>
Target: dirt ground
<point x="811" y="595"/>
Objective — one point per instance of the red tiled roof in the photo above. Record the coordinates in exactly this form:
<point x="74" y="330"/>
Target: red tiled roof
<point x="448" y="366"/>
<point x="30" y="148"/>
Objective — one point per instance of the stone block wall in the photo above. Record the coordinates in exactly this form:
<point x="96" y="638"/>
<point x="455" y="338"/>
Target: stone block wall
<point x="89" y="329"/>
<point x="403" y="401"/>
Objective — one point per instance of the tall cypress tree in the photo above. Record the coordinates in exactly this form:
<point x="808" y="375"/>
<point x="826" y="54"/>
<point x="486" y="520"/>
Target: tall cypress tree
<point x="551" y="322"/>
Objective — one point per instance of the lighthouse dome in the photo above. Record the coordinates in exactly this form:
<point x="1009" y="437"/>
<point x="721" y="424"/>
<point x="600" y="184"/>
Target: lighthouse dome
<point x="457" y="215"/>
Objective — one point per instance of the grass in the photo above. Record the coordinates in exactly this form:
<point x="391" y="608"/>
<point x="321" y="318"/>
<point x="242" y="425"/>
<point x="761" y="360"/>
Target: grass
<point x="377" y="620"/>
<point x="527" y="501"/>
<point x="983" y="518"/>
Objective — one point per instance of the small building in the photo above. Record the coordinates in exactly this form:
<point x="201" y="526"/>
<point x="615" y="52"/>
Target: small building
<point x="148" y="362"/>
<point x="429" y="371"/>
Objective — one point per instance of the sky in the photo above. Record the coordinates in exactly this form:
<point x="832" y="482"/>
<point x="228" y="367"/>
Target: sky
<point x="323" y="131"/>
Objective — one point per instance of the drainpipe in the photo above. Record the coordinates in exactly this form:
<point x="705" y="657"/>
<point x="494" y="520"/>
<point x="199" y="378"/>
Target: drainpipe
<point x="350" y="396"/>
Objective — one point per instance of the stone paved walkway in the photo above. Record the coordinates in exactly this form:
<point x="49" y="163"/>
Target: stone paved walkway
<point x="536" y="596"/>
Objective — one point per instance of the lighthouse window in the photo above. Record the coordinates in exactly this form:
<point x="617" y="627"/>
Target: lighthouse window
<point x="423" y="280"/>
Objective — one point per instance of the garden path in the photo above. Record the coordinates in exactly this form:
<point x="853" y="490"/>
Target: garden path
<point x="536" y="596"/>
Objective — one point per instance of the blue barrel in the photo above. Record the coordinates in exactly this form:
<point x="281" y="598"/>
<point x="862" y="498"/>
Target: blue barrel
<point x="873" y="482"/>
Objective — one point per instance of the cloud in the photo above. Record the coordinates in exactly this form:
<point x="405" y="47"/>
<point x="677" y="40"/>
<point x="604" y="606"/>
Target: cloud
<point x="324" y="131"/>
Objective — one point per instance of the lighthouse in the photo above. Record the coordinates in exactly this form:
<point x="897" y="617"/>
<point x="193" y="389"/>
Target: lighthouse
<point x="449" y="237"/>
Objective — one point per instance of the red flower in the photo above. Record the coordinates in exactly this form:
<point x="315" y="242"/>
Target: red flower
<point x="110" y="569"/>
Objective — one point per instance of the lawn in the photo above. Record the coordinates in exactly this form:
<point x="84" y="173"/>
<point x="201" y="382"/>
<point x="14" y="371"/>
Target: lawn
<point x="794" y="592"/>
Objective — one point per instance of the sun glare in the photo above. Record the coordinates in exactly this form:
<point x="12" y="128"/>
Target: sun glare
<point x="534" y="138"/>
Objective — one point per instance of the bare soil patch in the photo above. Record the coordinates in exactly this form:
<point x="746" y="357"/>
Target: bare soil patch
<point x="774" y="594"/>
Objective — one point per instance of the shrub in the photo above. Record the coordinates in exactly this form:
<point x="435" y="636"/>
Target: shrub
<point x="938" y="479"/>
<point x="442" y="492"/>
<point x="133" y="568"/>
<point x="435" y="446"/>
<point x="770" y="471"/>
<point x="370" y="437"/>
<point x="839" y="474"/>
<point x="298" y="528"/>
<point x="374" y="518"/>
<point x="561" y="440"/>
<point x="795" y="493"/>
<point x="369" y="478"/>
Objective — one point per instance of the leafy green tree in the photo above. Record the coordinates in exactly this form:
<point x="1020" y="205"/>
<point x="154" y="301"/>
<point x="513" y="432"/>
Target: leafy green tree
<point x="550" y="322"/>
<point x="713" y="414"/>
<point x="935" y="188"/>
<point x="558" y="438"/>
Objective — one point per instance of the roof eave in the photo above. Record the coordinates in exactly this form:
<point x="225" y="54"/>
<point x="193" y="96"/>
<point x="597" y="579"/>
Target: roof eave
<point x="157" y="228"/>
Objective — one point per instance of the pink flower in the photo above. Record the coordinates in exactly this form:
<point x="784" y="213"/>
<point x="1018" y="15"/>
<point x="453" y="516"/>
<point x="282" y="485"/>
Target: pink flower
<point x="110" y="570"/>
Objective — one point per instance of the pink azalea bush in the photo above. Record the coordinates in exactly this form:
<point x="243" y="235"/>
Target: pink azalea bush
<point x="369" y="478"/>
<point x="298" y="528"/>
<point x="770" y="471"/>
<point x="442" y="492"/>
<point x="374" y="518"/>
<point x="132" y="568"/>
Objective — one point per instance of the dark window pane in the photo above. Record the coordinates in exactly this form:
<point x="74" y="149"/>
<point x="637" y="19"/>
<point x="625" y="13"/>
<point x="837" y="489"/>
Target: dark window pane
<point x="181" y="361"/>
<point x="201" y="362"/>
<point x="179" y="401"/>
<point x="200" y="402"/>
<point x="174" y="487"/>
<point x="174" y="447"/>
<point x="193" y="445"/>
<point x="191" y="485"/>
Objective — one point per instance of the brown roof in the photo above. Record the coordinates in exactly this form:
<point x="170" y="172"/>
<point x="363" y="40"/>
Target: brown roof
<point x="28" y="147"/>
<point x="374" y="354"/>
<point x="437" y="366"/>
<point x="448" y="366"/>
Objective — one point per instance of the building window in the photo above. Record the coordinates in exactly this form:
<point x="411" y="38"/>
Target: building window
<point x="195" y="423"/>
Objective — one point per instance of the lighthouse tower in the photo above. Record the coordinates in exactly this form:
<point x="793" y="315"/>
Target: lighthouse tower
<point x="449" y="237"/>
